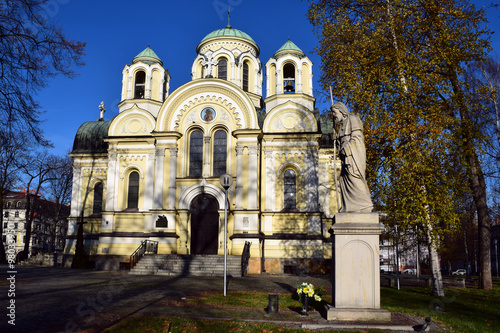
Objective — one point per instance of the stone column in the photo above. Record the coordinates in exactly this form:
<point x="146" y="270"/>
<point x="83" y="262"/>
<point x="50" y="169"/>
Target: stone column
<point x="160" y="163"/>
<point x="270" y="185"/>
<point x="183" y="232"/>
<point x="112" y="178"/>
<point x="298" y="83"/>
<point x="253" y="162"/>
<point x="357" y="268"/>
<point x="311" y="180"/>
<point x="76" y="191"/>
<point x="162" y="91"/>
<point x="149" y="181"/>
<point x="129" y="88"/>
<point x="233" y="72"/>
<point x="206" y="157"/>
<point x="239" y="177"/>
<point x="149" y="78"/>
<point x="279" y="83"/>
<point x="172" y="179"/>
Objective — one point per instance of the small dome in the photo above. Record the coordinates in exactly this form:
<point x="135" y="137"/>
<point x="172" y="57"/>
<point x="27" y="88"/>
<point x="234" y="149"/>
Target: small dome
<point x="90" y="137"/>
<point x="148" y="56"/>
<point x="289" y="48"/>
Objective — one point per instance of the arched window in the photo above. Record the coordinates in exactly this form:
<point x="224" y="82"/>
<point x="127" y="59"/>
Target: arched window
<point x="97" y="208"/>
<point x="220" y="153"/>
<point x="290" y="189"/>
<point x="140" y="84"/>
<point x="133" y="190"/>
<point x="222" y="69"/>
<point x="245" y="76"/>
<point x="196" y="154"/>
<point x="18" y="204"/>
<point x="9" y="204"/>
<point x="288" y="78"/>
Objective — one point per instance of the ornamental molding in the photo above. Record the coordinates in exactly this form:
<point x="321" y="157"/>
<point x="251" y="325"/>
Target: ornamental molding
<point x="223" y="97"/>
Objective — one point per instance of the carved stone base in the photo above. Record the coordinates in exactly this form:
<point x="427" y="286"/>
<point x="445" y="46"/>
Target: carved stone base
<point x="365" y="315"/>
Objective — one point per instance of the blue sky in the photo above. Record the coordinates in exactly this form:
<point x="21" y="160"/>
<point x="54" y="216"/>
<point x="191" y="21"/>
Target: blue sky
<point x="116" y="31"/>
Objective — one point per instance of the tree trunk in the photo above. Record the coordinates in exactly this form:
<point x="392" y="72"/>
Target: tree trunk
<point x="437" y="279"/>
<point x="477" y="184"/>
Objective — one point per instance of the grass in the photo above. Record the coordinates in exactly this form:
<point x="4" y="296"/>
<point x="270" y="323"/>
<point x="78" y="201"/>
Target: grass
<point x="462" y="310"/>
<point x="256" y="300"/>
<point x="188" y="325"/>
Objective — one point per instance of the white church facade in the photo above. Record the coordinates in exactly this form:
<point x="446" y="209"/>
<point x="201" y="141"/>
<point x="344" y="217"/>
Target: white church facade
<point x="152" y="172"/>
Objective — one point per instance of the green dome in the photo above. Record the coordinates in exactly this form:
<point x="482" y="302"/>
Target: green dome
<point x="228" y="32"/>
<point x="148" y="56"/>
<point x="289" y="48"/>
<point x="90" y="137"/>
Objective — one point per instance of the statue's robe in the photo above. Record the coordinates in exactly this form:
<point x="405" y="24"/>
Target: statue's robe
<point x="354" y="191"/>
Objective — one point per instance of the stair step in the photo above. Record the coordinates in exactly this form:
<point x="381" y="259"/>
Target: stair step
<point x="194" y="265"/>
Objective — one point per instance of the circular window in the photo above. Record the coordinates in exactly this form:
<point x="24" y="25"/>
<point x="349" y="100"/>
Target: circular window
<point x="207" y="115"/>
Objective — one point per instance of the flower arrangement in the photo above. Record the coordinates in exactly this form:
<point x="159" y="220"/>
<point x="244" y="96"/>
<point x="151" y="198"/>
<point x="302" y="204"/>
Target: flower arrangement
<point x="308" y="290"/>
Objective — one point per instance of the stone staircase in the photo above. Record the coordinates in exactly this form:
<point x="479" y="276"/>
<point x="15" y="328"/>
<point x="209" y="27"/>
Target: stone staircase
<point x="187" y="265"/>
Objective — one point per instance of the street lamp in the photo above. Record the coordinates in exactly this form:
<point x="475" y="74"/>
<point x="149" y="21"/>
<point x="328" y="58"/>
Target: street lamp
<point x="397" y="254"/>
<point x="225" y="180"/>
<point x="496" y="256"/>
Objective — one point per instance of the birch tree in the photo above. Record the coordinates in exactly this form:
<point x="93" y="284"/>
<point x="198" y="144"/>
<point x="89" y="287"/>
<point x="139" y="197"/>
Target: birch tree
<point x="400" y="64"/>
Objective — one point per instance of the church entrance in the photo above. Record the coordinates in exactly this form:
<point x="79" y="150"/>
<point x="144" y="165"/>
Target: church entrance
<point x="204" y="225"/>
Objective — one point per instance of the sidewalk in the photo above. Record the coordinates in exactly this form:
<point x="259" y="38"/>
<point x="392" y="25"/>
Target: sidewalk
<point x="65" y="300"/>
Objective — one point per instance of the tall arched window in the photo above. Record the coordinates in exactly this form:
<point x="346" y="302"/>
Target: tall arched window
<point x="222" y="69"/>
<point x="140" y="84"/>
<point x="245" y="76"/>
<point x="97" y="207"/>
<point x="220" y="153"/>
<point x="133" y="190"/>
<point x="196" y="154"/>
<point x="289" y="78"/>
<point x="290" y="189"/>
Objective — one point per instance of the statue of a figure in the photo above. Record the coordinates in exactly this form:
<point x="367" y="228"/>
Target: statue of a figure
<point x="354" y="191"/>
<point x="102" y="109"/>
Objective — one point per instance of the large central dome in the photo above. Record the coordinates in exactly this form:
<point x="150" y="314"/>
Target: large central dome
<point x="228" y="32"/>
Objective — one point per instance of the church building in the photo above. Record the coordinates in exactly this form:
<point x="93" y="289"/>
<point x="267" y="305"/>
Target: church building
<point x="152" y="172"/>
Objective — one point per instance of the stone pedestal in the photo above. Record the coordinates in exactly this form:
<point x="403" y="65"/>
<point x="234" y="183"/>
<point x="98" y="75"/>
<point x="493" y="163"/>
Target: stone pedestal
<point x="356" y="288"/>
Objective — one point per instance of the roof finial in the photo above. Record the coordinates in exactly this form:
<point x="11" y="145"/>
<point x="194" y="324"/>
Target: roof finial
<point x="229" y="18"/>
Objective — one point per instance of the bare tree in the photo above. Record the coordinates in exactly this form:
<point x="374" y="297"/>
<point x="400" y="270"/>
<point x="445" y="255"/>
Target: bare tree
<point x="38" y="171"/>
<point x="11" y="149"/>
<point x="59" y="191"/>
<point x="32" y="50"/>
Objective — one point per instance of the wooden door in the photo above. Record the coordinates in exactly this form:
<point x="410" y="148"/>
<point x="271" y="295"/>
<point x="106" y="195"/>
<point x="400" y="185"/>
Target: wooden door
<point x="204" y="225"/>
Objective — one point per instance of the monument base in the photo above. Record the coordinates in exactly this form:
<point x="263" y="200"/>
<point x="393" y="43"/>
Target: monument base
<point x="371" y="315"/>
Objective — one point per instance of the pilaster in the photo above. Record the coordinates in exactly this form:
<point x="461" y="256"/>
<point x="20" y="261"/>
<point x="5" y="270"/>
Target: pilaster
<point x="158" y="191"/>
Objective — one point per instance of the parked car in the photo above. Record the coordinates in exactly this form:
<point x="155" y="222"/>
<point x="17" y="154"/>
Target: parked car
<point x="460" y="271"/>
<point x="410" y="271"/>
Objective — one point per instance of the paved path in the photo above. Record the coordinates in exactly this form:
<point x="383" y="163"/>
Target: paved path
<point x="65" y="300"/>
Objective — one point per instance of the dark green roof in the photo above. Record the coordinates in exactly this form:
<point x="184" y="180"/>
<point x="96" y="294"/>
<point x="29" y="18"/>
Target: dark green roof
<point x="90" y="137"/>
<point x="289" y="48"/>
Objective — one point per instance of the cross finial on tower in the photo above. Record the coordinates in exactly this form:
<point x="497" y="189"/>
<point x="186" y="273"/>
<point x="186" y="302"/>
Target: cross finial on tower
<point x="228" y="18"/>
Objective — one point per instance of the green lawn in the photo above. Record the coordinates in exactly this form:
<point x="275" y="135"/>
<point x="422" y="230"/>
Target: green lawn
<point x="462" y="310"/>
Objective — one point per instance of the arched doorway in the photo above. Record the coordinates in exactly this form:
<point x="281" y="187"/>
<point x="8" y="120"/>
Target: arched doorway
<point x="204" y="224"/>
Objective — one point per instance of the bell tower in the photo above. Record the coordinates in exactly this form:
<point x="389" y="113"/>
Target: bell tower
<point x="289" y="78"/>
<point x="145" y="83"/>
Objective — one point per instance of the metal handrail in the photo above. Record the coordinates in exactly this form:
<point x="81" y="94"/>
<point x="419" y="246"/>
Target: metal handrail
<point x="245" y="258"/>
<point x="147" y="246"/>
